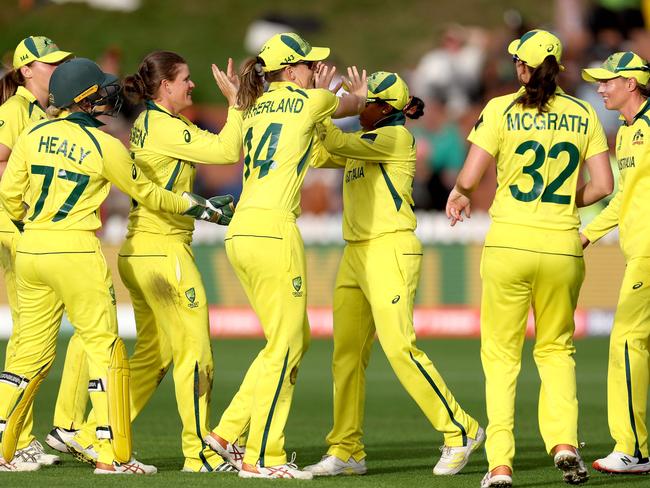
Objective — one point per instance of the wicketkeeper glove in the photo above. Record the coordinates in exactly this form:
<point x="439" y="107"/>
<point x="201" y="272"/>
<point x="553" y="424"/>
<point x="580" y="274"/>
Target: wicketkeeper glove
<point x="218" y="209"/>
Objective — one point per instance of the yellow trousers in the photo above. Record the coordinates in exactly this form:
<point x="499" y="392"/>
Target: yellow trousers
<point x="513" y="281"/>
<point x="8" y="237"/>
<point x="57" y="270"/>
<point x="629" y="362"/>
<point x="70" y="408"/>
<point x="374" y="292"/>
<point x="267" y="253"/>
<point x="171" y="315"/>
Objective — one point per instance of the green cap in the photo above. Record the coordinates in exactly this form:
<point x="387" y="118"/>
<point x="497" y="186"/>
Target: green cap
<point x="625" y="64"/>
<point x="289" y="48"/>
<point x="388" y="87"/>
<point x="535" y="46"/>
<point x="75" y="80"/>
<point x="38" y="48"/>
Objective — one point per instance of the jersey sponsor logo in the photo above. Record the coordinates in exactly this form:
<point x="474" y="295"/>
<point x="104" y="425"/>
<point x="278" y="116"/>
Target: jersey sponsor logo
<point x="547" y="121"/>
<point x="297" y="286"/>
<point x="626" y="163"/>
<point x="111" y="290"/>
<point x="354" y="174"/>
<point x="134" y="171"/>
<point x="637" y="285"/>
<point x="187" y="136"/>
<point x="69" y="150"/>
<point x="190" y="294"/>
<point x="286" y="105"/>
<point x="637" y="139"/>
<point x="395" y="299"/>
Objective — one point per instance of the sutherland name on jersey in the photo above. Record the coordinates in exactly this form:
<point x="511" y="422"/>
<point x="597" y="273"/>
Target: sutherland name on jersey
<point x="547" y="121"/>
<point x="286" y="105"/>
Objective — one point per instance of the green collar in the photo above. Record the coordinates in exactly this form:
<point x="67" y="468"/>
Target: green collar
<point x="397" y="118"/>
<point x="151" y="105"/>
<point x="274" y="85"/>
<point x="644" y="109"/>
<point x="84" y="119"/>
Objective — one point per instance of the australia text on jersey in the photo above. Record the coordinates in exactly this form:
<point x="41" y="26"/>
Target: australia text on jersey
<point x="547" y="121"/>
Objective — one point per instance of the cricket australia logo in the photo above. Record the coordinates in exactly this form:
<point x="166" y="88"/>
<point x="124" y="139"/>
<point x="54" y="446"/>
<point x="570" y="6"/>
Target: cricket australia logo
<point x="297" y="285"/>
<point x="190" y="293"/>
<point x="637" y="138"/>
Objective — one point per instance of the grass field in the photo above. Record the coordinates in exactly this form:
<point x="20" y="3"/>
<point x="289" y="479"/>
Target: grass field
<point x="401" y="445"/>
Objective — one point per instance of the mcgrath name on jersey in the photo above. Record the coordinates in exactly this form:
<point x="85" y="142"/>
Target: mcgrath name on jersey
<point x="547" y="121"/>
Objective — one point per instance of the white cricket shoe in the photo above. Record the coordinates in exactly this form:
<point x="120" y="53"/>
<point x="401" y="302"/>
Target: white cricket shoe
<point x="572" y="466"/>
<point x="86" y="455"/>
<point x="132" y="467"/>
<point x="621" y="463"/>
<point x="287" y="471"/>
<point x="57" y="438"/>
<point x="17" y="466"/>
<point x="453" y="459"/>
<point x="34" y="453"/>
<point x="332" y="466"/>
<point x="224" y="467"/>
<point x="496" y="481"/>
<point x="233" y="453"/>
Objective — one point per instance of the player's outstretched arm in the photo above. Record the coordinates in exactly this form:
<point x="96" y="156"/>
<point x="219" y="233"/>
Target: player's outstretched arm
<point x="601" y="180"/>
<point x="458" y="203"/>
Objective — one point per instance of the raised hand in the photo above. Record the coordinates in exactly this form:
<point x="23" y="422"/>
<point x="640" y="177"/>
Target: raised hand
<point x="227" y="82"/>
<point x="323" y="76"/>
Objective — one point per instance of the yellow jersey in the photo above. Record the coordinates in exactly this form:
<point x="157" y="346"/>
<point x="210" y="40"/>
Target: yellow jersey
<point x="377" y="179"/>
<point x="279" y="135"/>
<point x="628" y="207"/>
<point x="538" y="156"/>
<point x="18" y="111"/>
<point x="62" y="170"/>
<point x="166" y="148"/>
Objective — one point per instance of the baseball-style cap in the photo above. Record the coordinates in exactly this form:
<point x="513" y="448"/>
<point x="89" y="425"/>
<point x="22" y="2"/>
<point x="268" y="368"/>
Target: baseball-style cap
<point x="388" y="87"/>
<point x="625" y="64"/>
<point x="534" y="47"/>
<point x="289" y="48"/>
<point x="75" y="80"/>
<point x="38" y="48"/>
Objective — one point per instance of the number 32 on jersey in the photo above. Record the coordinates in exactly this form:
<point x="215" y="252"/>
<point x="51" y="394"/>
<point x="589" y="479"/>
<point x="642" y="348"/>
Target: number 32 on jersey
<point x="547" y="190"/>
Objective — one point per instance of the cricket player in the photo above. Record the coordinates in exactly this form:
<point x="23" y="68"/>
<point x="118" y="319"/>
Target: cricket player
<point x="538" y="138"/>
<point x="623" y="83"/>
<point x="156" y="262"/>
<point x="62" y="169"/>
<point x="23" y="94"/>
<point x="377" y="280"/>
<point x="264" y="245"/>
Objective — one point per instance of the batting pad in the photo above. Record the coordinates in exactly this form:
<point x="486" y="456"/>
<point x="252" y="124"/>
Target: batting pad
<point x="118" y="394"/>
<point x="24" y="393"/>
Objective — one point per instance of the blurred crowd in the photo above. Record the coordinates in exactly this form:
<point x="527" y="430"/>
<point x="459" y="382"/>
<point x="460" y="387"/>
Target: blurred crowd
<point x="465" y="68"/>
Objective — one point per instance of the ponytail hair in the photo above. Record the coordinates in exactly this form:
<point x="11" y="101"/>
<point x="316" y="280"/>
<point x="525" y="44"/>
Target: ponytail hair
<point x="414" y="108"/>
<point x="541" y="86"/>
<point x="155" y="67"/>
<point x="251" y="83"/>
<point x="9" y="83"/>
